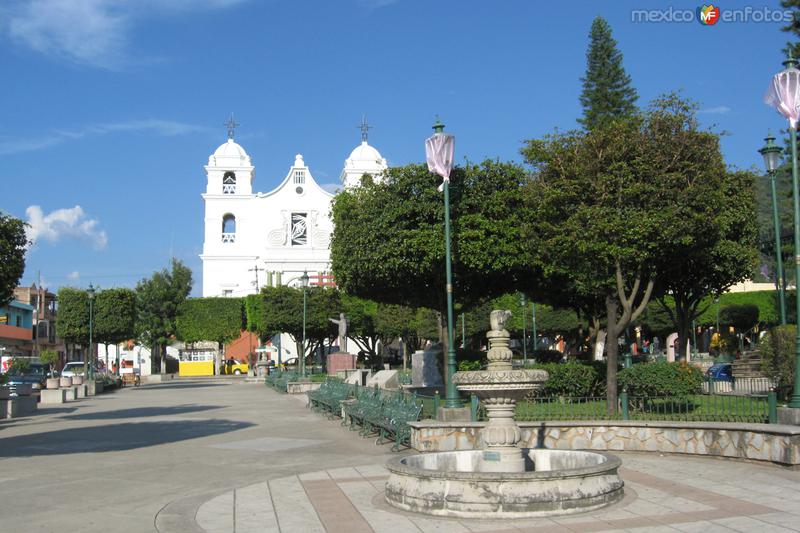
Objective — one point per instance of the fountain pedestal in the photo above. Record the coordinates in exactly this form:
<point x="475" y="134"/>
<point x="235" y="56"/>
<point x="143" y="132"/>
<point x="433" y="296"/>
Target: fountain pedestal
<point x="499" y="387"/>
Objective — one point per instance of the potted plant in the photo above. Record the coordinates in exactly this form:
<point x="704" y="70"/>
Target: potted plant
<point x="50" y="357"/>
<point x="20" y="366"/>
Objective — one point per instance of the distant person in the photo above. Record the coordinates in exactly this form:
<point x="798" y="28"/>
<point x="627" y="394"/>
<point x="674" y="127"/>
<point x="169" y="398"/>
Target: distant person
<point x="656" y="345"/>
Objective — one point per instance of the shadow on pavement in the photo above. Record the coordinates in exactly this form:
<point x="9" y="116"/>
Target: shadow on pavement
<point x="114" y="437"/>
<point x="138" y="412"/>
<point x="182" y="386"/>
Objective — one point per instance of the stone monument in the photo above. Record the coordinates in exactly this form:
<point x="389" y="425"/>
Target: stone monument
<point x="341" y="360"/>
<point x="425" y="368"/>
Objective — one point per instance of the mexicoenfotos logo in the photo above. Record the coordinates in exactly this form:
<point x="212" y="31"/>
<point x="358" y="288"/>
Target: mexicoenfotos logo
<point x="707" y="15"/>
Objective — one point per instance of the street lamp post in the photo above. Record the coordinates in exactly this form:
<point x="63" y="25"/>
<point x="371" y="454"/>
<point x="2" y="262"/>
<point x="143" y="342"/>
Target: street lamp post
<point x="304" y="283"/>
<point x="524" y="331"/>
<point x="439" y="151"/>
<point x="772" y="155"/>
<point x="90" y="372"/>
<point x="784" y="95"/>
<point x="533" y="329"/>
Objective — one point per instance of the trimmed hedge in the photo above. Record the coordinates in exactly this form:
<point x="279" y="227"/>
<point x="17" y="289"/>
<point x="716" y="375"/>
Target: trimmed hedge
<point x="569" y="379"/>
<point x="661" y="379"/>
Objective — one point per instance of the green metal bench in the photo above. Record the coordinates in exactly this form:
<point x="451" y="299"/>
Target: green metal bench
<point x="384" y="413"/>
<point x="394" y="419"/>
<point x="279" y="380"/>
<point x="329" y="396"/>
<point x="367" y="402"/>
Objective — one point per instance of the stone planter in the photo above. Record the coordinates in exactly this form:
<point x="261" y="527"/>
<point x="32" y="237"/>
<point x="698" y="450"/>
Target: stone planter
<point x="65" y="382"/>
<point x="77" y="380"/>
<point x="53" y="383"/>
<point x="5" y="392"/>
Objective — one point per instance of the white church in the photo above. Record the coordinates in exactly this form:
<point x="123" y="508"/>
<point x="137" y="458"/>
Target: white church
<point x="253" y="239"/>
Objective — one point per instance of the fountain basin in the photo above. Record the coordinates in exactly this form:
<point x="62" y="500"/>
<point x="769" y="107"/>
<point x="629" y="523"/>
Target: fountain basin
<point x="555" y="482"/>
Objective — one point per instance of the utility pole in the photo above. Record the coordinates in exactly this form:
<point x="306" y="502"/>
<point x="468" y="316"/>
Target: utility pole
<point x="256" y="270"/>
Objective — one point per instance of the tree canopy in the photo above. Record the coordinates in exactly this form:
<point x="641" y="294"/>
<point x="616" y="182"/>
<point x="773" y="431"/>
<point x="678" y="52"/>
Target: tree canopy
<point x="390" y="249"/>
<point x="617" y="208"/>
<point x="281" y="311"/>
<point x="13" y="245"/>
<point x="72" y="320"/>
<point x="158" y="299"/>
<point x="114" y="318"/>
<point x="210" y="319"/>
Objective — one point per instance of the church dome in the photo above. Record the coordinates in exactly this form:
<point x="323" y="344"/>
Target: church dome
<point x="365" y="152"/>
<point x="230" y="149"/>
<point x="229" y="154"/>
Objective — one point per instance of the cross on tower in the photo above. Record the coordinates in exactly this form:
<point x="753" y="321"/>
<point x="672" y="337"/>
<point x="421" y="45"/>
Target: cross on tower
<point x="231" y="125"/>
<point x="364" y="127"/>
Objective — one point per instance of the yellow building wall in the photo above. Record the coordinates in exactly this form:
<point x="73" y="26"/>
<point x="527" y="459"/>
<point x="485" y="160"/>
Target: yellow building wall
<point x="196" y="368"/>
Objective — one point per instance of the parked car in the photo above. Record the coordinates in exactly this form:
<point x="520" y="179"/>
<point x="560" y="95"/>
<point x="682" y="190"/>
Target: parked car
<point x="232" y="366"/>
<point x="720" y="372"/>
<point x="35" y="376"/>
<point x="75" y="368"/>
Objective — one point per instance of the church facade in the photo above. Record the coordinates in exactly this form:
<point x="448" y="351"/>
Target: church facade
<point x="253" y="239"/>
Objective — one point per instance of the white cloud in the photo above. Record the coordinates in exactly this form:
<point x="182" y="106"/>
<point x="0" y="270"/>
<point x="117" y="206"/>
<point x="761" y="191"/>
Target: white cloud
<point x="89" y="32"/>
<point x="718" y="110"/>
<point x="66" y="222"/>
<point x="165" y="128"/>
<point x="74" y="275"/>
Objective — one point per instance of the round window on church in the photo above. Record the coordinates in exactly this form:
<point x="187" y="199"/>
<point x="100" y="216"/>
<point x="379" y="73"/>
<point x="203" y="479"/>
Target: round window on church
<point x="299" y="190"/>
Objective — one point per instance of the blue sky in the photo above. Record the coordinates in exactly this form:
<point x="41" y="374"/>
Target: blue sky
<point x="112" y="107"/>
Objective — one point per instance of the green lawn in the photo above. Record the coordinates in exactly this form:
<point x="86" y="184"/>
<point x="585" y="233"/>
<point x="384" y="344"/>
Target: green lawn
<point x="715" y="408"/>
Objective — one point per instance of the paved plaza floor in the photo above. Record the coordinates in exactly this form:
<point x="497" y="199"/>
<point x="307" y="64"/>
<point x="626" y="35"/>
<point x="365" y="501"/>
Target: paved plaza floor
<point x="225" y="456"/>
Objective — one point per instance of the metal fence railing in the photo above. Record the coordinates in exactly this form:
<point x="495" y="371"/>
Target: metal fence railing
<point x="691" y="408"/>
<point x="739" y="386"/>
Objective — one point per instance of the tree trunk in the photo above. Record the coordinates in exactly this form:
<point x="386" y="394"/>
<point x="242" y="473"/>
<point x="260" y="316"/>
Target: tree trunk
<point x="612" y="352"/>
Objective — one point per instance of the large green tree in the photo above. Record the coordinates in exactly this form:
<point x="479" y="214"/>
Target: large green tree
<point x="793" y="27"/>
<point x="607" y="90"/>
<point x="114" y="316"/>
<point x="158" y="299"/>
<point x="712" y="214"/>
<point x="281" y="311"/>
<point x="607" y="206"/>
<point x="220" y="320"/>
<point x="13" y="244"/>
<point x="72" y="319"/>
<point x="388" y="242"/>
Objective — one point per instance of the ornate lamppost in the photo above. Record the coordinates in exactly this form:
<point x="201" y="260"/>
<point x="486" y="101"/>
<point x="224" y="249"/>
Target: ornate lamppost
<point x="439" y="151"/>
<point x="304" y="283"/>
<point x="784" y="95"/>
<point x="772" y="157"/>
<point x="90" y="371"/>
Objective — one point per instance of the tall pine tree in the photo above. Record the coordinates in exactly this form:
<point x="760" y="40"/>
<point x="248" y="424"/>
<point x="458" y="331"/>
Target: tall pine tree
<point x="607" y="91"/>
<point x="793" y="27"/>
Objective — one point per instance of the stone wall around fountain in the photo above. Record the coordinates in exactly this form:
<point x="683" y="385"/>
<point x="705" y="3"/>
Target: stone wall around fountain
<point x="758" y="442"/>
<point x="448" y="484"/>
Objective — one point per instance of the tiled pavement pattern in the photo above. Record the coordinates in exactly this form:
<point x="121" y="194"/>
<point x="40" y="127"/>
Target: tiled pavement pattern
<point x="662" y="494"/>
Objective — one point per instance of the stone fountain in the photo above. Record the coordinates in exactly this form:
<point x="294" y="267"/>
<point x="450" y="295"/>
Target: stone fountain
<point x="503" y="480"/>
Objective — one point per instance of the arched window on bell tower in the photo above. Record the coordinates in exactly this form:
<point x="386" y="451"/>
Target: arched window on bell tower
<point x="229" y="183"/>
<point x="228" y="228"/>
